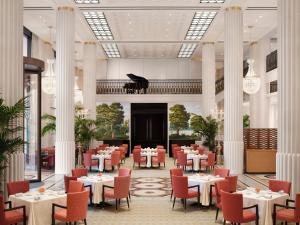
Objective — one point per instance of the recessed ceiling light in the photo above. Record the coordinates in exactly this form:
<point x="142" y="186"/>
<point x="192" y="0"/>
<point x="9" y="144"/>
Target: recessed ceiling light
<point x="111" y="50"/>
<point x="99" y="25"/>
<point x="212" y="1"/>
<point x="199" y="25"/>
<point x="87" y="1"/>
<point x="186" y="50"/>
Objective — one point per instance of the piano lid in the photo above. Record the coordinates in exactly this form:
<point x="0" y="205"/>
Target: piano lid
<point x="136" y="78"/>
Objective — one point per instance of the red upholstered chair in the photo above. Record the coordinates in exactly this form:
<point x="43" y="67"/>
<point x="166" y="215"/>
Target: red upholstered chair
<point x="114" y="161"/>
<point x="280" y="185"/>
<point x="122" y="153"/>
<point x="91" y="151"/>
<point x="89" y="162"/>
<point x="288" y="213"/>
<point x="159" y="146"/>
<point x="75" y="210"/>
<point x="160" y="158"/>
<point x="75" y="186"/>
<point x="79" y="172"/>
<point x="137" y="146"/>
<point x="11" y="215"/>
<point x="222" y="172"/>
<point x="200" y="150"/>
<point x="119" y="191"/>
<point x="137" y="158"/>
<point x="233" y="211"/>
<point x="182" y="190"/>
<point x="123" y="172"/>
<point x="194" y="146"/>
<point x="182" y="160"/>
<point x="67" y="180"/>
<point x="232" y="183"/>
<point x="222" y="185"/>
<point x="175" y="172"/>
<point x="208" y="163"/>
<point x="17" y="187"/>
<point x="175" y="150"/>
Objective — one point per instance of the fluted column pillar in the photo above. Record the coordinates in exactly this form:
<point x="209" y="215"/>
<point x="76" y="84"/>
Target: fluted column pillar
<point x="65" y="144"/>
<point x="11" y="70"/>
<point x="288" y="155"/>
<point x="233" y="92"/>
<point x="208" y="77"/>
<point x="89" y="78"/>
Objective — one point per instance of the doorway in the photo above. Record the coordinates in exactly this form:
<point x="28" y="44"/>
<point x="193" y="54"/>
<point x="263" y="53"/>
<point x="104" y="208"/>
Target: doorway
<point x="149" y="125"/>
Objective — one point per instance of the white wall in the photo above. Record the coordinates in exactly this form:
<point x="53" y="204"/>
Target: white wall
<point x="149" y="68"/>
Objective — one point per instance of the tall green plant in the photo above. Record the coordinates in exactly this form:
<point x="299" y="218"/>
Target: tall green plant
<point x="50" y="125"/>
<point x="207" y="128"/>
<point x="10" y="138"/>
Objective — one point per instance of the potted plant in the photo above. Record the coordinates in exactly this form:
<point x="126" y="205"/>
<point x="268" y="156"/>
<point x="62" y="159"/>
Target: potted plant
<point x="10" y="131"/>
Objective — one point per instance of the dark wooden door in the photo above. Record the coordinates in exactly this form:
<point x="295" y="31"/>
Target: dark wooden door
<point x="149" y="124"/>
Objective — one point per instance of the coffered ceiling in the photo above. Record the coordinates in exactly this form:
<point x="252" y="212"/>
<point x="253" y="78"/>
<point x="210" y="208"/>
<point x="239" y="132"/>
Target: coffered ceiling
<point x="151" y="28"/>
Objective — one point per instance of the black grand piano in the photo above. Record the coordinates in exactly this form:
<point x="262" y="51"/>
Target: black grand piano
<point x="137" y="85"/>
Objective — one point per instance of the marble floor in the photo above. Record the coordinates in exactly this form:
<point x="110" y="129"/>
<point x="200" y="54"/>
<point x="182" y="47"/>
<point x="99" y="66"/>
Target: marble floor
<point x="150" y="202"/>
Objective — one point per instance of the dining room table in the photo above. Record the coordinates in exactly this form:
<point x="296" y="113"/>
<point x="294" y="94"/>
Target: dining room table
<point x="204" y="182"/>
<point x="149" y="153"/>
<point x="97" y="182"/>
<point x="265" y="199"/>
<point x="196" y="159"/>
<point x="101" y="156"/>
<point x="38" y="205"/>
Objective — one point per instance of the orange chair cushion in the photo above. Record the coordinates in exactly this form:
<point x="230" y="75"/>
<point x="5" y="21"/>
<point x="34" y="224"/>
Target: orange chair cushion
<point x="286" y="215"/>
<point x="61" y="215"/>
<point x="94" y="162"/>
<point x="109" y="193"/>
<point x="189" y="163"/>
<point x="192" y="194"/>
<point x="143" y="159"/>
<point x="12" y="217"/>
<point x="248" y="216"/>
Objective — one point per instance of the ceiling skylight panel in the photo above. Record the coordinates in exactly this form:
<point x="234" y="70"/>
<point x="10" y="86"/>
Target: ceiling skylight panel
<point x="98" y="25"/>
<point x="111" y="50"/>
<point x="187" y="50"/>
<point x="87" y="1"/>
<point x="199" y="25"/>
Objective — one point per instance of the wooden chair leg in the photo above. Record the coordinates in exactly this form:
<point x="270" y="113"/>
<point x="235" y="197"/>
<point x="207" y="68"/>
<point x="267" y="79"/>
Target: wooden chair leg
<point x="174" y="202"/>
<point x="217" y="213"/>
<point x="85" y="223"/>
<point x="127" y="202"/>
<point x="116" y="204"/>
<point x="224" y="222"/>
<point x="171" y="194"/>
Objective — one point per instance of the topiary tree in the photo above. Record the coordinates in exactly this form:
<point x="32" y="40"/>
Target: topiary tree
<point x="179" y="118"/>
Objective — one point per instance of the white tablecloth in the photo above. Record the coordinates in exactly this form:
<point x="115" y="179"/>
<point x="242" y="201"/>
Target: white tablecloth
<point x="265" y="201"/>
<point x="149" y="153"/>
<point x="101" y="158"/>
<point x="97" y="183"/>
<point x="39" y="211"/>
<point x="204" y="182"/>
<point x="196" y="160"/>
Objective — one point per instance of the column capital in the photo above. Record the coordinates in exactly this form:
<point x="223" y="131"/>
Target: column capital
<point x="233" y="8"/>
<point x="253" y="43"/>
<point x="89" y="43"/>
<point x="208" y="43"/>
<point x="65" y="8"/>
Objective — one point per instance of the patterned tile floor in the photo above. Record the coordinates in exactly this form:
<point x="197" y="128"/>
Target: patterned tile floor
<point x="151" y="201"/>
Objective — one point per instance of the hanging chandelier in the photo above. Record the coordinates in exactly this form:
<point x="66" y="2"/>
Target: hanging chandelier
<point x="78" y="98"/>
<point x="48" y="80"/>
<point x="251" y="82"/>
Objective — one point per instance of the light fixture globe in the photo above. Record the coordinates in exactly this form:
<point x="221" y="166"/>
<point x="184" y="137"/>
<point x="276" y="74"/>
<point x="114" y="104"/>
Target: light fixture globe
<point x="251" y="82"/>
<point x="48" y="80"/>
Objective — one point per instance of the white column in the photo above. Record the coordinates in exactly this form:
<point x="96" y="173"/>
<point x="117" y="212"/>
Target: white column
<point x="11" y="69"/>
<point x="288" y="155"/>
<point x="208" y="77"/>
<point x="233" y="92"/>
<point x="89" y="78"/>
<point x="65" y="144"/>
<point x="259" y="106"/>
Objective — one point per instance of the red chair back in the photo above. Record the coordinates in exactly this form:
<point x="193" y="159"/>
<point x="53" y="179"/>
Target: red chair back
<point x="232" y="207"/>
<point x="280" y="185"/>
<point x="67" y="180"/>
<point x="194" y="146"/>
<point x="211" y="159"/>
<point x="137" y="146"/>
<point x="180" y="186"/>
<point x="160" y="147"/>
<point x="75" y="186"/>
<point x="222" y="172"/>
<point x="174" y="145"/>
<point x="181" y="158"/>
<point x="176" y="172"/>
<point x="297" y="206"/>
<point x="222" y="185"/>
<point x="87" y="159"/>
<point x="74" y="200"/>
<point x="232" y="180"/>
<point x="79" y="172"/>
<point x="175" y="150"/>
<point x="91" y="151"/>
<point x="123" y="172"/>
<point x="200" y="150"/>
<point x="17" y="187"/>
<point x="2" y="221"/>
<point x="115" y="158"/>
<point x="136" y="156"/>
<point x="161" y="155"/>
<point x="121" y="187"/>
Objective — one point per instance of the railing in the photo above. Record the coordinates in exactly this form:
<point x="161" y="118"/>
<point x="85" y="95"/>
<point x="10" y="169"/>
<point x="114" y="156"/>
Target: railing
<point x="173" y="86"/>
<point x="219" y="85"/>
